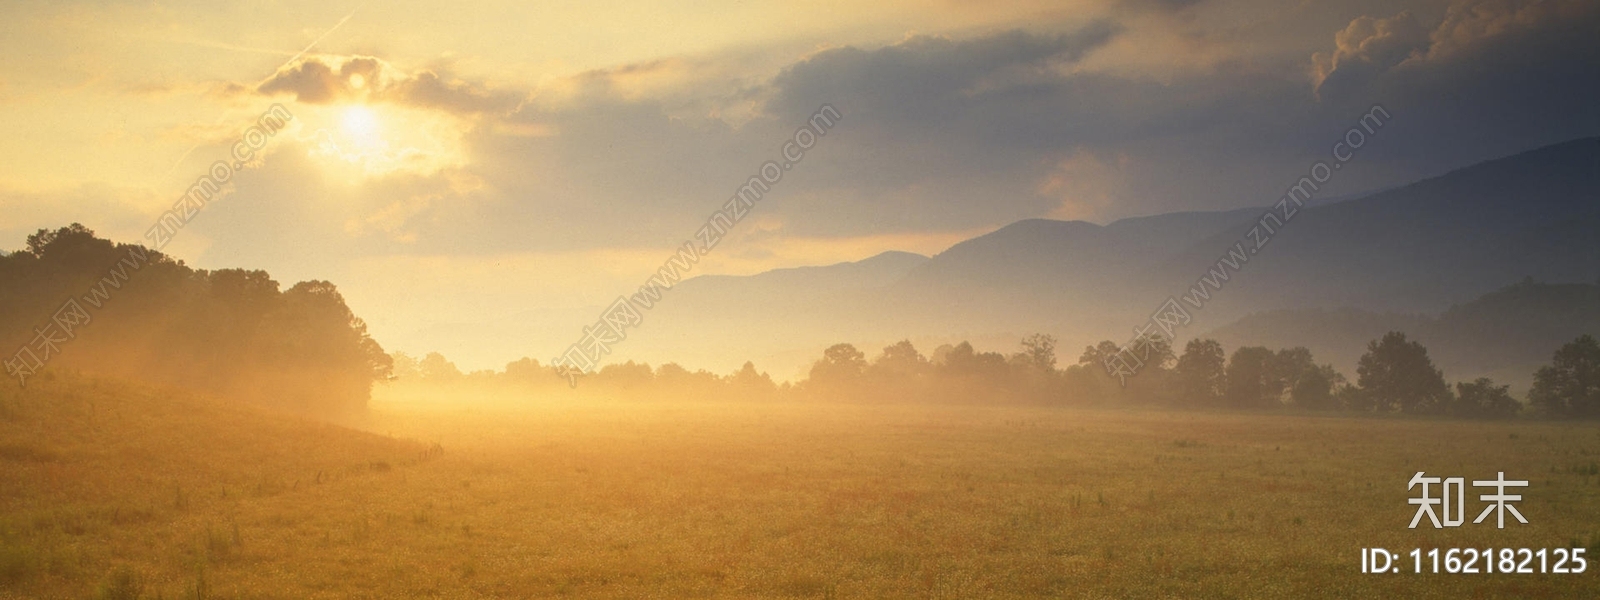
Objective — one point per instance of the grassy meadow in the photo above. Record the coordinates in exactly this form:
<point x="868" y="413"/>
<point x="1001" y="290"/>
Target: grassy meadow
<point x="108" y="491"/>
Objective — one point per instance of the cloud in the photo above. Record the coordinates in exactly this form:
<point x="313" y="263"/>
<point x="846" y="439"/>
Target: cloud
<point x="926" y="77"/>
<point x="1470" y="24"/>
<point x="1368" y="47"/>
<point x="1492" y="79"/>
<point x="325" y="79"/>
<point x="1161" y="5"/>
<point x="1087" y="184"/>
<point x="939" y="134"/>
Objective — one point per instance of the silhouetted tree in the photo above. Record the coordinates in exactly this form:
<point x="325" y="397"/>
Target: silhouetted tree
<point x="408" y="368"/>
<point x="749" y="383"/>
<point x="1152" y="359"/>
<point x="1200" y="372"/>
<point x="1306" y="384"/>
<point x="964" y="362"/>
<point x="841" y="364"/>
<point x="1317" y="388"/>
<point x="1351" y="398"/>
<point x="438" y="369"/>
<point x="899" y="362"/>
<point x="1396" y="374"/>
<point x="528" y="371"/>
<point x="677" y="381"/>
<point x="1482" y="398"/>
<point x="154" y="319"/>
<point x="1039" y="351"/>
<point x="625" y="375"/>
<point x="1098" y="354"/>
<point x="1570" y="385"/>
<point x="1252" y="378"/>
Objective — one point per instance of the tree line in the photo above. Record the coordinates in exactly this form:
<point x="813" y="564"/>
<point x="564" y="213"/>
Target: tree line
<point x="155" y="319"/>
<point x="234" y="332"/>
<point x="1395" y="375"/>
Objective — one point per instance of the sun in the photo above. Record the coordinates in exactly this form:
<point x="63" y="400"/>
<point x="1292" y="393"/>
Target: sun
<point x="378" y="139"/>
<point x="359" y="122"/>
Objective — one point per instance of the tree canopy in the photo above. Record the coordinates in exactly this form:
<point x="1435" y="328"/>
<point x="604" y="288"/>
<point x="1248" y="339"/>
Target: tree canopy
<point x="144" y="316"/>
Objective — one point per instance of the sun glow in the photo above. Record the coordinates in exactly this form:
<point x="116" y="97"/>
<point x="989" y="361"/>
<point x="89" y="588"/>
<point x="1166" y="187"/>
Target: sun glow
<point x="359" y="121"/>
<point x="378" y="139"/>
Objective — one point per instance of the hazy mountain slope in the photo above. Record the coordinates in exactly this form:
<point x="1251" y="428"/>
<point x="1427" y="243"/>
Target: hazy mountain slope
<point x="1444" y="240"/>
<point x="780" y="284"/>
<point x="1414" y="248"/>
<point x="1071" y="266"/>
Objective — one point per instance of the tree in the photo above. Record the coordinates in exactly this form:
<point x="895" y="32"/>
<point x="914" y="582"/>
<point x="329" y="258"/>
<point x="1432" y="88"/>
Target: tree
<point x="47" y="244"/>
<point x="1307" y="384"/>
<point x="438" y="369"/>
<point x="673" y="378"/>
<point x="230" y="332"/>
<point x="750" y="383"/>
<point x="625" y="375"/>
<point x="406" y="367"/>
<point x="1097" y="354"/>
<point x="1289" y="365"/>
<point x="1200" y="371"/>
<point x="1252" y="380"/>
<point x="841" y="364"/>
<point x="1396" y="374"/>
<point x="1353" y="399"/>
<point x="1151" y="358"/>
<point x="1152" y="352"/>
<point x="1317" y="389"/>
<point x="964" y="362"/>
<point x="1039" y="350"/>
<point x="1482" y="398"/>
<point x="1570" y="385"/>
<point x="671" y="374"/>
<point x="522" y="370"/>
<point x="899" y="363"/>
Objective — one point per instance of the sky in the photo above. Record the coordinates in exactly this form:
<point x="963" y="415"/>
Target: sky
<point x="450" y="166"/>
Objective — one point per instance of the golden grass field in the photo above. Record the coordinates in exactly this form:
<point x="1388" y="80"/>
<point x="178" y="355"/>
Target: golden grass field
<point x="106" y="490"/>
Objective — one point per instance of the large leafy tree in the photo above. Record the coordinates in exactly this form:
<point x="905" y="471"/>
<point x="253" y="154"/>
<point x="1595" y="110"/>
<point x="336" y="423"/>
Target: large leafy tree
<point x="900" y="362"/>
<point x="1307" y="384"/>
<point x="1200" y="371"/>
<point x="1570" y="385"/>
<point x="1317" y="389"/>
<point x="1039" y="351"/>
<point x="152" y="318"/>
<point x="1482" y="398"/>
<point x="840" y="364"/>
<point x="1252" y="378"/>
<point x="1396" y="374"/>
<point x="1098" y="354"/>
